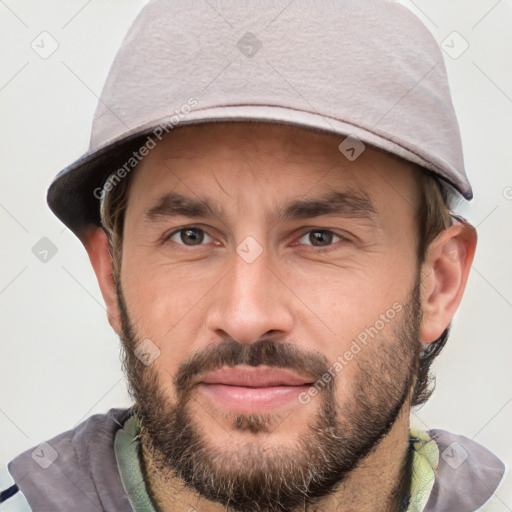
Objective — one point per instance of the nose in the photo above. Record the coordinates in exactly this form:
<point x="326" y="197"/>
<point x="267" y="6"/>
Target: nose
<point x="250" y="302"/>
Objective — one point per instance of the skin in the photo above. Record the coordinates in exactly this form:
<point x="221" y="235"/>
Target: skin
<point x="318" y="298"/>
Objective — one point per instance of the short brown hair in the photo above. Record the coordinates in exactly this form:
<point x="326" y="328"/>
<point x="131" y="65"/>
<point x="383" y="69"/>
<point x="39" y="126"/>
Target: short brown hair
<point x="434" y="215"/>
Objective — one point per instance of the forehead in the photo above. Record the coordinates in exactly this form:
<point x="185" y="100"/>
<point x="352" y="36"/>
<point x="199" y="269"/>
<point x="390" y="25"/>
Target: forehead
<point x="230" y="161"/>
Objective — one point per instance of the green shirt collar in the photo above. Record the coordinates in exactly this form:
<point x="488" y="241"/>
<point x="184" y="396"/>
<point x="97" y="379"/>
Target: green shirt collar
<point x="126" y="448"/>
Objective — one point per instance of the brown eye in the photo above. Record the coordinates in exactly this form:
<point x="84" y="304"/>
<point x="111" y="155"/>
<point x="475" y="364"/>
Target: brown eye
<point x="319" y="238"/>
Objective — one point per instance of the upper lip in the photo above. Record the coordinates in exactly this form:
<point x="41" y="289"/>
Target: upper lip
<point x="250" y="376"/>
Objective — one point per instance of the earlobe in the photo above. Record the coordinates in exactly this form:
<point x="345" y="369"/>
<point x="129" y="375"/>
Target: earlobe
<point x="96" y="244"/>
<point x="444" y="276"/>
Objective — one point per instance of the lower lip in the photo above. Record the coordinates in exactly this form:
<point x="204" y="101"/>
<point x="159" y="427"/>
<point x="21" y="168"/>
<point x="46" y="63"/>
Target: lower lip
<point x="252" y="400"/>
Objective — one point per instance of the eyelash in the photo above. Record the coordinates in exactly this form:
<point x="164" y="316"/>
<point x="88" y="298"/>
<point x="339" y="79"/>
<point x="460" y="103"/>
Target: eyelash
<point x="332" y="246"/>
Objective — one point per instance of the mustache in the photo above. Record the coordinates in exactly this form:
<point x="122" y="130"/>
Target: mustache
<point x="265" y="352"/>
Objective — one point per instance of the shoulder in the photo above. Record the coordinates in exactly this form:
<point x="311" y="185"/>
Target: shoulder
<point x="467" y="475"/>
<point x="75" y="470"/>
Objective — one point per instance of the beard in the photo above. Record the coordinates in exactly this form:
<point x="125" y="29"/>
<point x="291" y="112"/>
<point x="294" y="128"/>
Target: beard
<point x="252" y="477"/>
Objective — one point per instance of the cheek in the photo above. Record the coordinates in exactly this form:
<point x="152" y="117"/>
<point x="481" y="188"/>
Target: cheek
<point x="376" y="364"/>
<point x="167" y="305"/>
<point x="338" y="305"/>
<point x="163" y="294"/>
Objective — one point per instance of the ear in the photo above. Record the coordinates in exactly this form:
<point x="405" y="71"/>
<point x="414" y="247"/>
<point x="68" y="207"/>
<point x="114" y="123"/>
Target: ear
<point x="444" y="276"/>
<point x="97" y="248"/>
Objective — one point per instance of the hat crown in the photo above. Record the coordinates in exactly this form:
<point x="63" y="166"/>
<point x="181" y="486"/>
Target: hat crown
<point x="366" y="68"/>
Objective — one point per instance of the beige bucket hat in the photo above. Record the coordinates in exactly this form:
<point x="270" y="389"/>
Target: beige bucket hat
<point x="364" y="69"/>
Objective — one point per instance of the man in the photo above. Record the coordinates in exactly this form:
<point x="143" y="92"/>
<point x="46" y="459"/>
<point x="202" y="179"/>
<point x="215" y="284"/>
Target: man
<point x="273" y="239"/>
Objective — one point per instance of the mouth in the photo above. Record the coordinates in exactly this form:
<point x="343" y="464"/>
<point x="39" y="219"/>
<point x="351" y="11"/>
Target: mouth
<point x="253" y="389"/>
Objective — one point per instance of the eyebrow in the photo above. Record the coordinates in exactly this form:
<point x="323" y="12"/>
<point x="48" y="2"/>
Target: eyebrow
<point x="344" y="204"/>
<point x="174" y="204"/>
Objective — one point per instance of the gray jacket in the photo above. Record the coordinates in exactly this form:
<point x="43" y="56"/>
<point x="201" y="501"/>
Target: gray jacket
<point x="77" y="471"/>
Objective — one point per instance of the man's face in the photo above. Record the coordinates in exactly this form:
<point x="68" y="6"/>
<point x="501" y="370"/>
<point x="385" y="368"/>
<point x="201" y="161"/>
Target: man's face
<point x="279" y="282"/>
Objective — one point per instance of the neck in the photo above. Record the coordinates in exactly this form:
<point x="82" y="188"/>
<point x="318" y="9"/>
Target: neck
<point x="380" y="483"/>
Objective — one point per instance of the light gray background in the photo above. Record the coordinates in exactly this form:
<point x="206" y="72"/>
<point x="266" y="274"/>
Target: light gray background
<point x="59" y="358"/>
